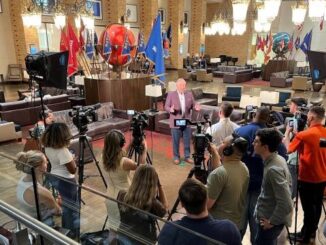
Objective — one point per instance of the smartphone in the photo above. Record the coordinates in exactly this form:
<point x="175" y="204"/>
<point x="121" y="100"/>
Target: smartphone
<point x="291" y="123"/>
<point x="130" y="112"/>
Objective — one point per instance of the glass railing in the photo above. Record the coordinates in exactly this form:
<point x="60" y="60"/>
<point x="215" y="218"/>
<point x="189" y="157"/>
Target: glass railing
<point x="92" y="216"/>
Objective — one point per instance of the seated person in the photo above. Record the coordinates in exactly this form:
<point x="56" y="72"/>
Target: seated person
<point x="39" y="128"/>
<point x="142" y="194"/>
<point x="193" y="197"/>
<point x="25" y="191"/>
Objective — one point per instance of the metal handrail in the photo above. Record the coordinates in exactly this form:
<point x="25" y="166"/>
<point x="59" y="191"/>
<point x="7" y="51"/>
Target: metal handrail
<point x="35" y="225"/>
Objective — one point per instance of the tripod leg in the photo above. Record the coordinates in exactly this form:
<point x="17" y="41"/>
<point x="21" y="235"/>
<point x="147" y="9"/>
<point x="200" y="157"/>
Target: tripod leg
<point x="288" y="231"/>
<point x="148" y="159"/>
<point x="175" y="205"/>
<point x="96" y="162"/>
<point x="106" y="220"/>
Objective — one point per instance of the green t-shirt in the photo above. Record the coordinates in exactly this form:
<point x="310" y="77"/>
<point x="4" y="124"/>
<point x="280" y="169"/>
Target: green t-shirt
<point x="228" y="185"/>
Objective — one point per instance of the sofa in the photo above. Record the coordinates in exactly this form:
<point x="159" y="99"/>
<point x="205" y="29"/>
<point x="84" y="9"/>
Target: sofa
<point x="222" y="69"/>
<point x="203" y="76"/>
<point x="238" y="76"/>
<point x="107" y="118"/>
<point x="301" y="83"/>
<point x="26" y="112"/>
<point x="204" y="98"/>
<point x="162" y="120"/>
<point x="280" y="79"/>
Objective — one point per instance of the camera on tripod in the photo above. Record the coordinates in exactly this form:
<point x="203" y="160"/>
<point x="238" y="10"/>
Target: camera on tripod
<point x="83" y="115"/>
<point x="138" y="123"/>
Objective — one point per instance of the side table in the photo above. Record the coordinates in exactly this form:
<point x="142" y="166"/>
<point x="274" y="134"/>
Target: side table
<point x="151" y="118"/>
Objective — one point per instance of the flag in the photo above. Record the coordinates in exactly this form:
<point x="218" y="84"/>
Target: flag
<point x="305" y="45"/>
<point x="95" y="38"/>
<point x="169" y="35"/>
<point x="81" y="35"/>
<point x="141" y="43"/>
<point x="64" y="44"/>
<point x="89" y="45"/>
<point x="257" y="42"/>
<point x="154" y="48"/>
<point x="297" y="43"/>
<point x="262" y="44"/>
<point x="165" y="45"/>
<point x="321" y="25"/>
<point x="73" y="49"/>
<point x="290" y="45"/>
<point x="126" y="47"/>
<point x="107" y="45"/>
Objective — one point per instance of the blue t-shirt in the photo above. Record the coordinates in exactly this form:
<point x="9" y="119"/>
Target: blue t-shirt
<point x="254" y="162"/>
<point x="220" y="230"/>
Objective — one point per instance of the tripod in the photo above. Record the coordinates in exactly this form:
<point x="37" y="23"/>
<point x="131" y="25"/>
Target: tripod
<point x="137" y="149"/>
<point x="200" y="172"/>
<point x="83" y="143"/>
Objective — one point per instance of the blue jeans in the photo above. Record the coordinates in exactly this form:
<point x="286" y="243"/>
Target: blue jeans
<point x="177" y="133"/>
<point x="251" y="201"/>
<point x="267" y="237"/>
<point x="70" y="206"/>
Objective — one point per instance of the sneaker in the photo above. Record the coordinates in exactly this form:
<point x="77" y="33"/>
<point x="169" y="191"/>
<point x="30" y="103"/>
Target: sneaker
<point x="189" y="160"/>
<point x="176" y="161"/>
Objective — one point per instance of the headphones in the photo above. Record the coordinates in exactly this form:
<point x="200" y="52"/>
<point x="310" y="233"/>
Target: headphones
<point x="122" y="139"/>
<point x="240" y="143"/>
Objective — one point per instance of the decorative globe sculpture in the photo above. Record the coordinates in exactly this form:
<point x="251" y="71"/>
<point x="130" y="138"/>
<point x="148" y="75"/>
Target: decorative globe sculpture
<point x="281" y="42"/>
<point x="117" y="35"/>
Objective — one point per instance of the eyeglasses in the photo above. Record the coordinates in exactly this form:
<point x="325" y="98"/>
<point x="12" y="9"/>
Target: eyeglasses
<point x="256" y="141"/>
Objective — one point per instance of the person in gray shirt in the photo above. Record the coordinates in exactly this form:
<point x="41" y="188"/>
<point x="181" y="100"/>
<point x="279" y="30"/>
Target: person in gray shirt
<point x="274" y="205"/>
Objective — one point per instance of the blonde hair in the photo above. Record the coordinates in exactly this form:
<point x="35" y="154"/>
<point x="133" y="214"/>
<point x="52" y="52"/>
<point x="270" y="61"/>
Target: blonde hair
<point x="143" y="188"/>
<point x="32" y="159"/>
<point x="112" y="152"/>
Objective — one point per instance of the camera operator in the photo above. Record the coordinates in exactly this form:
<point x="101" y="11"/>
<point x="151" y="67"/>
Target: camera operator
<point x="312" y="169"/>
<point x="118" y="167"/>
<point x="179" y="104"/>
<point x="227" y="185"/>
<point x="225" y="127"/>
<point x="295" y="105"/>
<point x="255" y="166"/>
<point x="193" y="197"/>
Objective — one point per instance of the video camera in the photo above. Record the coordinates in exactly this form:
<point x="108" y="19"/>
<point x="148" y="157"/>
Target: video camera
<point x="250" y="112"/>
<point x="83" y="115"/>
<point x="138" y="124"/>
<point x="301" y="117"/>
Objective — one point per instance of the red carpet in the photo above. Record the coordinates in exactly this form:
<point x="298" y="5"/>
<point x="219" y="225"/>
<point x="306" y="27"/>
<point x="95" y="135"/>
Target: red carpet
<point x="256" y="82"/>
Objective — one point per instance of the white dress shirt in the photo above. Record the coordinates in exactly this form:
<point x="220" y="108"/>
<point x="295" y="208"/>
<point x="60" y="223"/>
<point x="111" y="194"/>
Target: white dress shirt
<point x="225" y="127"/>
<point x="182" y="103"/>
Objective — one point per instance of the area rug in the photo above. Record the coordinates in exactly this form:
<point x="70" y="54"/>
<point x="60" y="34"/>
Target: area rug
<point x="256" y="82"/>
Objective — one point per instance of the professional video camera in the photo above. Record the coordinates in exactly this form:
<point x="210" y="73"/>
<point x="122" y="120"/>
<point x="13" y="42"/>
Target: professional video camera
<point x="81" y="116"/>
<point x="138" y="124"/>
<point x="201" y="141"/>
<point x="250" y="111"/>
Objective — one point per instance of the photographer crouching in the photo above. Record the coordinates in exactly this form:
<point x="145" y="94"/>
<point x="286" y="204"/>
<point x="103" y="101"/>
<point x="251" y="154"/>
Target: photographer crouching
<point x="312" y="169"/>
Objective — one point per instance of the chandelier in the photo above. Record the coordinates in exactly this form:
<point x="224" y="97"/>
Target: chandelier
<point x="298" y="13"/>
<point x="271" y="9"/>
<point x="33" y="10"/>
<point x="316" y="9"/>
<point x="240" y="8"/>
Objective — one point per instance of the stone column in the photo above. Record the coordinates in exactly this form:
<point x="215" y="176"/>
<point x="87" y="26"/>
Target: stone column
<point x="198" y="17"/>
<point x="18" y="31"/>
<point x="112" y="10"/>
<point x="148" y="12"/>
<point x="175" y="10"/>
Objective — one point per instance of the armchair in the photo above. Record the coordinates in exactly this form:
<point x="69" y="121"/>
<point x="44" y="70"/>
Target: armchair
<point x="8" y="132"/>
<point x="204" y="98"/>
<point x="300" y="83"/>
<point x="233" y="95"/>
<point x="203" y="76"/>
<point x="280" y="79"/>
<point x="15" y="73"/>
<point x="183" y="73"/>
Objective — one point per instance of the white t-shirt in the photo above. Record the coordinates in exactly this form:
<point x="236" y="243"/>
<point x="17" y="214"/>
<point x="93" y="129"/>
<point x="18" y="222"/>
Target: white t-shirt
<point x="182" y="103"/>
<point x="58" y="159"/>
